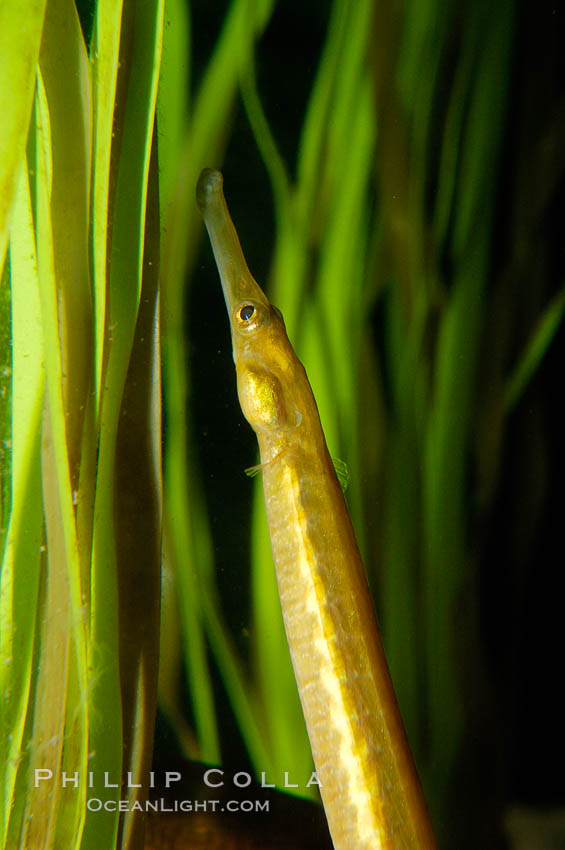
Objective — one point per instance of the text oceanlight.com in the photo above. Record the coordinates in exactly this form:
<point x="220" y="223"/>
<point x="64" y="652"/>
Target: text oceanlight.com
<point x="94" y="804"/>
<point x="212" y="778"/>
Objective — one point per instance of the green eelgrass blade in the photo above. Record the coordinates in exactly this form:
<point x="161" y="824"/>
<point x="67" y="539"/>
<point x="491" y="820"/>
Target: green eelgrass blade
<point x="19" y="51"/>
<point x="210" y="115"/>
<point x="173" y="98"/>
<point x="273" y="162"/>
<point x="443" y="504"/>
<point x="60" y="717"/>
<point x="172" y="112"/>
<point x="340" y="260"/>
<point x="139" y="484"/>
<point x="420" y="60"/>
<point x="5" y="401"/>
<point x="181" y="498"/>
<point x="400" y="530"/>
<point x="61" y="679"/>
<point x="60" y="694"/>
<point x="22" y="554"/>
<point x="141" y="49"/>
<point x="187" y="547"/>
<point x="242" y="698"/>
<point x="69" y="102"/>
<point x="313" y="143"/>
<point x="453" y="133"/>
<point x="448" y="426"/>
<point x="186" y="541"/>
<point x="104" y="696"/>
<point x="541" y="338"/>
<point x="106" y="52"/>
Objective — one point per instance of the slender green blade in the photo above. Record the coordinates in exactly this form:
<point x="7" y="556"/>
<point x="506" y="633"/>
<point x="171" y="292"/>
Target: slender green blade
<point x="541" y="339"/>
<point x="63" y="676"/>
<point x="141" y="33"/>
<point x="105" y="64"/>
<point x="189" y="542"/>
<point x="19" y="51"/>
<point x="22" y="553"/>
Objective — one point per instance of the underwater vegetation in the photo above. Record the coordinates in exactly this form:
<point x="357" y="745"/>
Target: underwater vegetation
<point x="395" y="173"/>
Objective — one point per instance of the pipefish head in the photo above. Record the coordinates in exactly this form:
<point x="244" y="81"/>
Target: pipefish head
<point x="263" y="356"/>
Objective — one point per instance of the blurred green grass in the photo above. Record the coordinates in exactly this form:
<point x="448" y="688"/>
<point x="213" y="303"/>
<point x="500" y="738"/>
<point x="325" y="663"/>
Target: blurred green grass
<point x="382" y="264"/>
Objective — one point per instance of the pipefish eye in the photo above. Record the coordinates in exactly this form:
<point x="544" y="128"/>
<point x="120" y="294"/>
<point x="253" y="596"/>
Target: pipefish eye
<point x="246" y="312"/>
<point x="249" y="316"/>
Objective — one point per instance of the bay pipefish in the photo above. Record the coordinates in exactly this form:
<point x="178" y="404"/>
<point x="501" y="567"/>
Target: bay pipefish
<point x="369" y="784"/>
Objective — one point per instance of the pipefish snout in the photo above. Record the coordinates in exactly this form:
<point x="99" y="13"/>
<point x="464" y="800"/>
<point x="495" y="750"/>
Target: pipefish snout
<point x="369" y="784"/>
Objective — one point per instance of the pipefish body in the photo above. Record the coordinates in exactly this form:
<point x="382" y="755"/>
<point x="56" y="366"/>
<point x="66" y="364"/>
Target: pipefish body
<point x="369" y="784"/>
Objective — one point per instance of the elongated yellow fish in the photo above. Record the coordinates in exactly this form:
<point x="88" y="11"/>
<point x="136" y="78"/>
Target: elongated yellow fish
<point x="369" y="785"/>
